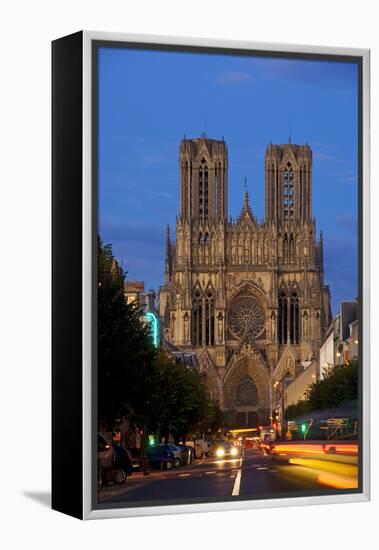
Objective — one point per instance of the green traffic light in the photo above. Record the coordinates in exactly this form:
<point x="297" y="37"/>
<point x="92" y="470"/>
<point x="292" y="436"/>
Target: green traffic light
<point x="303" y="428"/>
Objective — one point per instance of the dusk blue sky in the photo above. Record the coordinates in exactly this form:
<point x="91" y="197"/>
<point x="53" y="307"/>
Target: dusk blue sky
<point x="148" y="100"/>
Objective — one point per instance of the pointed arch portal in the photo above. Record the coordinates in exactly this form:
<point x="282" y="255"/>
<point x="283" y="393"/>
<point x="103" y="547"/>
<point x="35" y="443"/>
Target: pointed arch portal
<point x="247" y="392"/>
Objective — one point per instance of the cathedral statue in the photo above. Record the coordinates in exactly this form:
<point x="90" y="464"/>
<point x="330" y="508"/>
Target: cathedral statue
<point x="186" y="327"/>
<point x="220" y="328"/>
<point x="222" y="309"/>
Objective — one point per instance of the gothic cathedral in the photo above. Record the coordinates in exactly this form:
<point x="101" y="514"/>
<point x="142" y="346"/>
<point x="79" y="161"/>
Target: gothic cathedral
<point x="247" y="297"/>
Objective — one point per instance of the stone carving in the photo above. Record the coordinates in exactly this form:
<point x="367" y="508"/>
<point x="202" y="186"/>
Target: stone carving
<point x="172" y="326"/>
<point x="305" y="326"/>
<point x="246" y="319"/>
<point x="247" y="393"/>
<point x="186" y="327"/>
<point x="220" y="328"/>
<point x="273" y="326"/>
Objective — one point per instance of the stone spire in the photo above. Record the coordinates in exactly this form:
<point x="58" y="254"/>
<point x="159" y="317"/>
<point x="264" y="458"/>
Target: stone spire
<point x="167" y="273"/>
<point x="246" y="207"/>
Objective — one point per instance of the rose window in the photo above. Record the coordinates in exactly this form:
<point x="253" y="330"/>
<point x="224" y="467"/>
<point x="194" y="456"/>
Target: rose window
<point x="247" y="393"/>
<point x="246" y="319"/>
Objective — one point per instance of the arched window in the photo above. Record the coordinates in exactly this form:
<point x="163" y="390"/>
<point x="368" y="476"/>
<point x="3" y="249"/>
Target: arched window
<point x="197" y="319"/>
<point x="289" y="318"/>
<point x="209" y="318"/>
<point x="294" y="318"/>
<point x="203" y="190"/>
<point x="288" y="192"/>
<point x="282" y="319"/>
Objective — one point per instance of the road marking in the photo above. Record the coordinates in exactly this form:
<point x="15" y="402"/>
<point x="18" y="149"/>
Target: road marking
<point x="262" y="468"/>
<point x="237" y="482"/>
<point x="184" y="475"/>
<point x="208" y="473"/>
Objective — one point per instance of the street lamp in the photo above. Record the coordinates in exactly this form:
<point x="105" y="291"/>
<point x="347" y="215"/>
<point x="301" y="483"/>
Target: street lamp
<point x="277" y="425"/>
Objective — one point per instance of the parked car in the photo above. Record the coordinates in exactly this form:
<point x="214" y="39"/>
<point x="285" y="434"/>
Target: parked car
<point x="113" y="465"/>
<point x="177" y="452"/>
<point x="135" y="455"/>
<point x="187" y="454"/>
<point x="160" y="456"/>
<point x="123" y="463"/>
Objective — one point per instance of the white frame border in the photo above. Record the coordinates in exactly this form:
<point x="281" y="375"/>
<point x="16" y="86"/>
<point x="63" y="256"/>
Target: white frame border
<point x="88" y="511"/>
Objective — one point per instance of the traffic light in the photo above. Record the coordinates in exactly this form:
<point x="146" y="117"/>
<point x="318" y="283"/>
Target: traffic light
<point x="151" y="440"/>
<point x="303" y="428"/>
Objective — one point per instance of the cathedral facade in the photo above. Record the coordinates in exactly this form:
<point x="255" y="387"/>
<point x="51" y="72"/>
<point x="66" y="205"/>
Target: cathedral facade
<point x="247" y="297"/>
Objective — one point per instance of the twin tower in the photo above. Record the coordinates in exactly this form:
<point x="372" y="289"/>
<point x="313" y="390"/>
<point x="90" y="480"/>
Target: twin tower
<point x="204" y="181"/>
<point x="247" y="298"/>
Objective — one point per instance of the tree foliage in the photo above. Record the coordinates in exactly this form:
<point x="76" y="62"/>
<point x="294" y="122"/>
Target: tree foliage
<point x="340" y="383"/>
<point x="125" y="351"/>
<point x="182" y="402"/>
<point x="136" y="381"/>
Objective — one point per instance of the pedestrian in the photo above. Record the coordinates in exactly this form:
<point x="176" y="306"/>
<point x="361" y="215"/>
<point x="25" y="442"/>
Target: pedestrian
<point x="243" y="445"/>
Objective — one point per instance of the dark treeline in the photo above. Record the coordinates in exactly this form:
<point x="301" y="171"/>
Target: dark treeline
<point x="136" y="381"/>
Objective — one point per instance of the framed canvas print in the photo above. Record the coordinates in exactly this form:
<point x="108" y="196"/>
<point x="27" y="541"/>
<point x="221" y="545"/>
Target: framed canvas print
<point x="210" y="275"/>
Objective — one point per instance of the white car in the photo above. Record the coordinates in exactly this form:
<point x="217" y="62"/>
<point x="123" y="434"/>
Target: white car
<point x="177" y="454"/>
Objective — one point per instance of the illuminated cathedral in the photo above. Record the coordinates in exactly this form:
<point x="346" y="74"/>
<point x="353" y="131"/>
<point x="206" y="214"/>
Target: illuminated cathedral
<point x="246" y="297"/>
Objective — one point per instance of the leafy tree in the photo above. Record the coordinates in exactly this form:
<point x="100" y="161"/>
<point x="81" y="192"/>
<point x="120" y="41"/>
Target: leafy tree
<point x="125" y="351"/>
<point x="301" y="408"/>
<point x="340" y="383"/>
<point x="182" y="401"/>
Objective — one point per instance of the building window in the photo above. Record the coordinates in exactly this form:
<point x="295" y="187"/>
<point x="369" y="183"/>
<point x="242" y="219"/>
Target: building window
<point x="203" y="189"/>
<point x="197" y="319"/>
<point x="294" y="319"/>
<point x="288" y="192"/>
<point x="209" y="319"/>
<point x="289" y="319"/>
<point x="203" y="319"/>
<point x="282" y="319"/>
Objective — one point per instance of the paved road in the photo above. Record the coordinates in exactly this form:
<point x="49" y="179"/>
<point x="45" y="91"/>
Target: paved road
<point x="255" y="475"/>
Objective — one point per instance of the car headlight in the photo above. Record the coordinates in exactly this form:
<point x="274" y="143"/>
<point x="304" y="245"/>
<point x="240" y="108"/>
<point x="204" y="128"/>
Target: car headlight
<point x="220" y="452"/>
<point x="234" y="451"/>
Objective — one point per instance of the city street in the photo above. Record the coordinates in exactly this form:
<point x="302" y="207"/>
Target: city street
<point x="254" y="475"/>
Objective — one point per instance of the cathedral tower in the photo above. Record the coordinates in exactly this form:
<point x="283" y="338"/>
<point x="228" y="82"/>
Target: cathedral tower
<point x="288" y="183"/>
<point x="246" y="298"/>
<point x="203" y="179"/>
